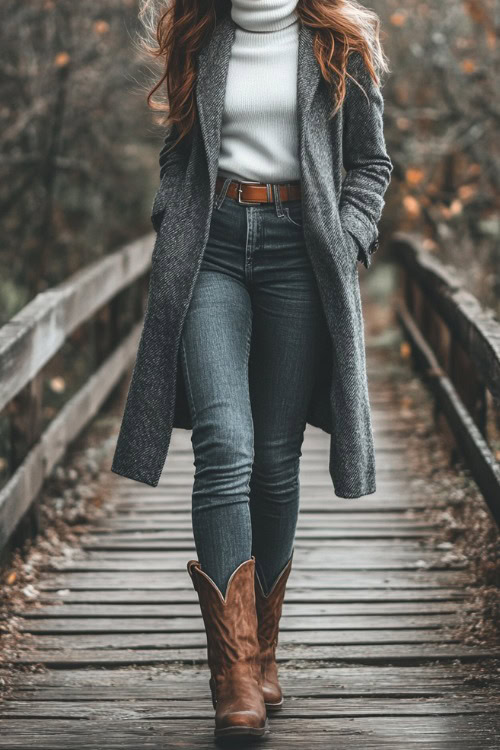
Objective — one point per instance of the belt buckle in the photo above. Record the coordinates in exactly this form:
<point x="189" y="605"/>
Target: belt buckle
<point x="245" y="182"/>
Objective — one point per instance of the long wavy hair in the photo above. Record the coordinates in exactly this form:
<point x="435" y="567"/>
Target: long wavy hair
<point x="175" y="33"/>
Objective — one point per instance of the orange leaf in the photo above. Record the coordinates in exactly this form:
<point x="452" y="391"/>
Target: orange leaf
<point x="491" y="38"/>
<point x="398" y="19"/>
<point x="474" y="169"/>
<point x="61" y="59"/>
<point x="414" y="175"/>
<point x="476" y="11"/>
<point x="467" y="191"/>
<point x="469" y="65"/>
<point x="101" y="27"/>
<point x="405" y="349"/>
<point x="412" y="206"/>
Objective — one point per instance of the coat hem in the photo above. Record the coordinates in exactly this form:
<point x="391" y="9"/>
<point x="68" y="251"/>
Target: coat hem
<point x="135" y="477"/>
<point x="351" y="496"/>
<point x="154" y="483"/>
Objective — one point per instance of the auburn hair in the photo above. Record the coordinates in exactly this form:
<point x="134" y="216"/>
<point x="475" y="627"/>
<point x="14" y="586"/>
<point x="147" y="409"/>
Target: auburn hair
<point x="174" y="34"/>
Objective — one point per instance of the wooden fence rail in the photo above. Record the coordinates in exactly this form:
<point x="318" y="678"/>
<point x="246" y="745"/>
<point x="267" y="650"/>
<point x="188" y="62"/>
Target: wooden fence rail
<point x="455" y="342"/>
<point x="93" y="298"/>
<point x="456" y="346"/>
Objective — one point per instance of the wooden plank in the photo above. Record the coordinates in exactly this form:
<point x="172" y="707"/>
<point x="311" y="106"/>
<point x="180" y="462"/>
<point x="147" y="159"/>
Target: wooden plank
<point x="311" y="609"/>
<point x="201" y="708"/>
<point x="352" y="654"/>
<point x="320" y="499"/>
<point x="312" y="529"/>
<point x="374" y="512"/>
<point x="196" y="639"/>
<point x="380" y="733"/>
<point x="325" y="681"/>
<point x="142" y="502"/>
<point x="335" y="579"/>
<point x="305" y="552"/>
<point x="157" y="537"/>
<point x="175" y="623"/>
<point x="299" y="594"/>
<point x="186" y="545"/>
<point x="307" y="520"/>
<point x="339" y="562"/>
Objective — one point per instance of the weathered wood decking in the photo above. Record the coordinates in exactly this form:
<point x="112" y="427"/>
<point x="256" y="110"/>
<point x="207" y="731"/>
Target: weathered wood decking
<point x="368" y="648"/>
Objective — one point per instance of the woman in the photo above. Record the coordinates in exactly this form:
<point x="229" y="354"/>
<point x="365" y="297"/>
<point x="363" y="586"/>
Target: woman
<point x="254" y="325"/>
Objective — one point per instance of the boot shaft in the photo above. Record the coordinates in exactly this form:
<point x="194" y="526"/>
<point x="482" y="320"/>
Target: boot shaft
<point x="230" y="622"/>
<point x="269" y="608"/>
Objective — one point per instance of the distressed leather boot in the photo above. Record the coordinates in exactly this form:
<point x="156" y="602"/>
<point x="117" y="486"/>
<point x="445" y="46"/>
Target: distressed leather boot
<point x="268" y="614"/>
<point x="233" y="651"/>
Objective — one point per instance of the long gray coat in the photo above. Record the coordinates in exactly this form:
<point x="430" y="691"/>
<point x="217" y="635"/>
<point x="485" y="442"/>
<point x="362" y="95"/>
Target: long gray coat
<point x="340" y="217"/>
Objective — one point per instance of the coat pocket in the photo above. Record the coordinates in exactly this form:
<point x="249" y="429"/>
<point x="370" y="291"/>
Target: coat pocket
<point x="169" y="186"/>
<point x="362" y="234"/>
<point x="354" y="250"/>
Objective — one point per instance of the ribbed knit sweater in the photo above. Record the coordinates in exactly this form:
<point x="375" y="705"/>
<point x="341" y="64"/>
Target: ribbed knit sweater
<point x="259" y="136"/>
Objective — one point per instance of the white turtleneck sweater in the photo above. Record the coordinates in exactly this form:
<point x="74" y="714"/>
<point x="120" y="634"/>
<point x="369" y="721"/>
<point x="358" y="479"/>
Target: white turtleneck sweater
<point x="259" y="136"/>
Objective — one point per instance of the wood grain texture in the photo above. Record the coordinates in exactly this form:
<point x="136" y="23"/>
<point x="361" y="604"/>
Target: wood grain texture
<point x="369" y="654"/>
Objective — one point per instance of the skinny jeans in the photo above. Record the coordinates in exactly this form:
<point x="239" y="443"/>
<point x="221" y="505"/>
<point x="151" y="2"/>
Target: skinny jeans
<point x="250" y="349"/>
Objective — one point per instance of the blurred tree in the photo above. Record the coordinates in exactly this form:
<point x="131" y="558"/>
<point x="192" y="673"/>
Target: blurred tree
<point x="78" y="145"/>
<point x="443" y="116"/>
<point x="78" y="164"/>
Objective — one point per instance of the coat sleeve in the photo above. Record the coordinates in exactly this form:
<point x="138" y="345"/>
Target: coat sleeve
<point x="365" y="159"/>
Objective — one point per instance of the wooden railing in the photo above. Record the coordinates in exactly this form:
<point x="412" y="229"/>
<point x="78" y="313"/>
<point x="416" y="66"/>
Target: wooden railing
<point x="455" y="344"/>
<point x="100" y="310"/>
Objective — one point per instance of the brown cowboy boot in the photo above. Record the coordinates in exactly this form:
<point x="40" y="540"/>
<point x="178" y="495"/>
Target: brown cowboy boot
<point x="233" y="650"/>
<point x="269" y="614"/>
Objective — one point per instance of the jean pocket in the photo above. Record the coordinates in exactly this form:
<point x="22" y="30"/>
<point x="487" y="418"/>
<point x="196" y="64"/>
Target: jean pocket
<point x="293" y="214"/>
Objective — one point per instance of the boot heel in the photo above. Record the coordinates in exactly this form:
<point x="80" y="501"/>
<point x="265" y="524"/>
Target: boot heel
<point x="243" y="732"/>
<point x="274" y="706"/>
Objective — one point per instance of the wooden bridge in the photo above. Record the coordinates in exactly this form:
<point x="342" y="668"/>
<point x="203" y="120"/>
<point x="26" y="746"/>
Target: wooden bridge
<point x="374" y="649"/>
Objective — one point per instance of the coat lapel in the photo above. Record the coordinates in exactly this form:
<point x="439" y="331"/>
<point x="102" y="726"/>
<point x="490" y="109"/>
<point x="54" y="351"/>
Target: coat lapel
<point x="213" y="64"/>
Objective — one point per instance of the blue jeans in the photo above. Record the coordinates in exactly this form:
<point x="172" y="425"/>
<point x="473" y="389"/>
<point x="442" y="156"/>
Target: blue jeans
<point x="250" y="350"/>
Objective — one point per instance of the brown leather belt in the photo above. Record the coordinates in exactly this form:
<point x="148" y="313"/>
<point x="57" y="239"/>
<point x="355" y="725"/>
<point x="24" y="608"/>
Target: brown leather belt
<point x="259" y="192"/>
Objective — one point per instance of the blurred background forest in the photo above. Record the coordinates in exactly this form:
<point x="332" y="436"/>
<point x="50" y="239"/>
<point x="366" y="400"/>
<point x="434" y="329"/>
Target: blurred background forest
<point x="78" y="165"/>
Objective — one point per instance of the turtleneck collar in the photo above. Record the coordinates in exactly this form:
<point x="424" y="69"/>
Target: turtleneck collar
<point x="264" y="15"/>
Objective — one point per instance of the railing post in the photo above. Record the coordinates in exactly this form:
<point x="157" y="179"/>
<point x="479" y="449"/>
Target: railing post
<point x="26" y="419"/>
<point x="472" y="391"/>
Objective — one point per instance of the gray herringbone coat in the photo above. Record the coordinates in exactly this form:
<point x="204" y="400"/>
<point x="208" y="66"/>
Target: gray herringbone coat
<point x="340" y="217"/>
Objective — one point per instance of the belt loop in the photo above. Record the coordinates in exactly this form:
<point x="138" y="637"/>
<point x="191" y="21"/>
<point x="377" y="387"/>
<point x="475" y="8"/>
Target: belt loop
<point x="277" y="200"/>
<point x="222" y="194"/>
